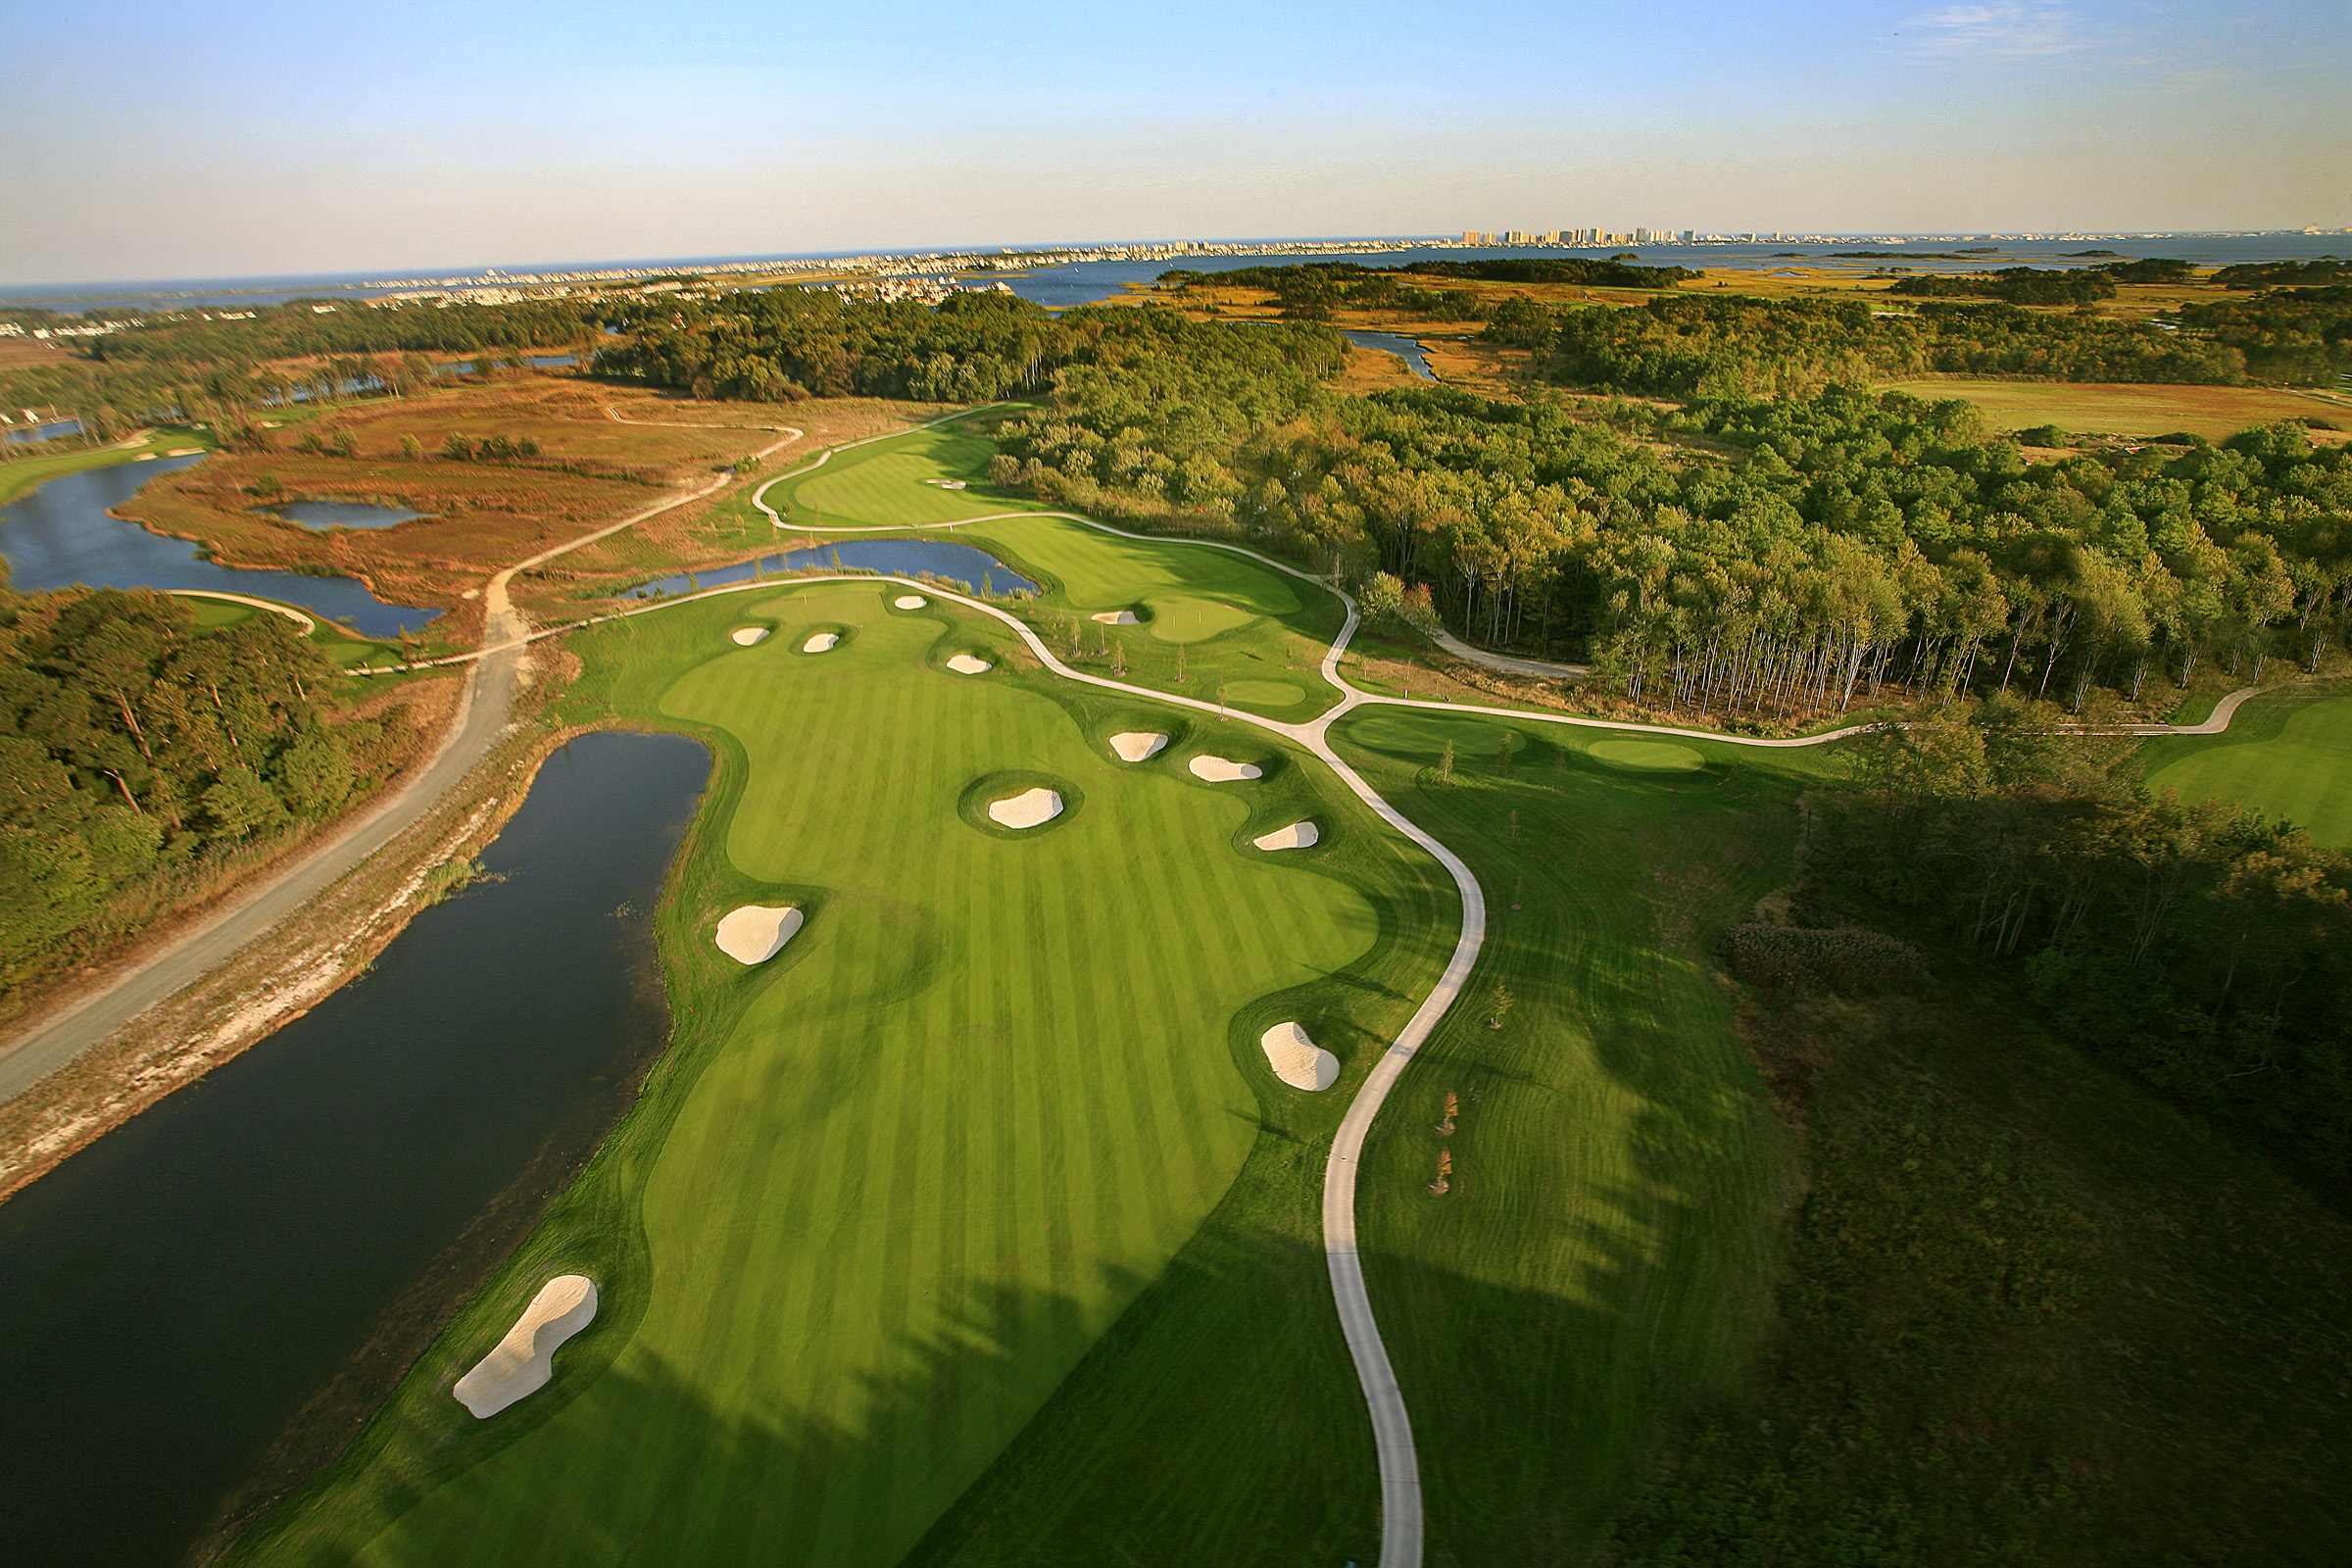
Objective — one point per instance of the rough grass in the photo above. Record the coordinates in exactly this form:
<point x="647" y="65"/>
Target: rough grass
<point x="2285" y="755"/>
<point x="2117" y="408"/>
<point x="1609" y="1235"/>
<point x="2032" y="1316"/>
<point x="886" y="1191"/>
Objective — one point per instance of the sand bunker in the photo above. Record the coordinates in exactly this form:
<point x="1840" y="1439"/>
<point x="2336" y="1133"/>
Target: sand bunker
<point x="822" y="643"/>
<point x="1134" y="745"/>
<point x="1026" y="810"/>
<point x="1297" y="836"/>
<point x="1298" y="1060"/>
<point x="1223" y="770"/>
<point x="1119" y="618"/>
<point x="745" y="636"/>
<point x="966" y="664"/>
<point x="756" y="933"/>
<point x="522" y="1362"/>
<point x="909" y="602"/>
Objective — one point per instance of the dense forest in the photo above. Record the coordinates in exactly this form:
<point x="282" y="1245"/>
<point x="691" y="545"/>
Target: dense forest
<point x="133" y="745"/>
<point x="787" y="344"/>
<point x="1795" y="558"/>
<point x="2207" y="953"/>
<point x="1313" y="290"/>
<point x="1687" y="346"/>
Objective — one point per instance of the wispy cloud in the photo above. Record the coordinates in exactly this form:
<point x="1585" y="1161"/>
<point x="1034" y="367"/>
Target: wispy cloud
<point x="2006" y="28"/>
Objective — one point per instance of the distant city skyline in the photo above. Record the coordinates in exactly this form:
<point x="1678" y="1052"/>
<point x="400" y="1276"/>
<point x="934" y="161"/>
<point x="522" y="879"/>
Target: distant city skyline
<point x="277" y="140"/>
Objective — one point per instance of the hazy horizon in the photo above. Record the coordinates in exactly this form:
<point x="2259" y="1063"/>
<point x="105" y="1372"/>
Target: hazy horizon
<point x="281" y="142"/>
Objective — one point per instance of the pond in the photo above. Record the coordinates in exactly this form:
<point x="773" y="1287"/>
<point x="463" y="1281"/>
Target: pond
<point x="340" y="514"/>
<point x="256" y="1259"/>
<point x="62" y="535"/>
<point x="975" y="569"/>
<point x="27" y="434"/>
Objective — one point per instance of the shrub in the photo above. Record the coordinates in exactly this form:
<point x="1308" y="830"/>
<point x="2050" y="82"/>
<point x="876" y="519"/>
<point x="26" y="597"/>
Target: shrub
<point x="1852" y="960"/>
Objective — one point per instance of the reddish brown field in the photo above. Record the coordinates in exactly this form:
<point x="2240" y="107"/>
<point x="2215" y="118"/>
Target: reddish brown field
<point x="603" y="456"/>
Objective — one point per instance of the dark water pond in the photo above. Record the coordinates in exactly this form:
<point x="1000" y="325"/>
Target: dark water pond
<point x="172" y="1297"/>
<point x="26" y="435"/>
<point x="1405" y="348"/>
<point x="343" y="515"/>
<point x="975" y="569"/>
<point x="62" y="535"/>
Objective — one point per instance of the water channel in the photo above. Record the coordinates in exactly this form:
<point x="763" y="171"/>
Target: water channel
<point x="974" y="570"/>
<point x="342" y="515"/>
<point x="62" y="533"/>
<point x="258" y="1258"/>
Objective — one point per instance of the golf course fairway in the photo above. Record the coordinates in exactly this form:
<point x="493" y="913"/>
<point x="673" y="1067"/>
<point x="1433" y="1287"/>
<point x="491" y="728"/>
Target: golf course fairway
<point x="2288" y="755"/>
<point x="887" y="1189"/>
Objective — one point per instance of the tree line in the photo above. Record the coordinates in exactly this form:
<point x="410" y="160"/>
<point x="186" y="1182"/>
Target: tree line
<point x="134" y="745"/>
<point x="1696" y="345"/>
<point x="1795" y="558"/>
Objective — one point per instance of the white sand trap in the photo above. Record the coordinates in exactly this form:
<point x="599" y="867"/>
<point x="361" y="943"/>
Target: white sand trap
<point x="1119" y="618"/>
<point x="1137" y="743"/>
<point x="522" y="1362"/>
<point x="756" y="933"/>
<point x="1297" y="836"/>
<point x="745" y="636"/>
<point x="822" y="643"/>
<point x="966" y="664"/>
<point x="1298" y="1060"/>
<point x="1223" y="770"/>
<point x="1026" y="810"/>
<point x="909" y="602"/>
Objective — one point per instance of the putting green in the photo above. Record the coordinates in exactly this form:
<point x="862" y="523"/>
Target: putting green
<point x="1661" y="756"/>
<point x="2287" y="756"/>
<point x="889" y="1189"/>
<point x="1182" y="618"/>
<point x="1265" y="692"/>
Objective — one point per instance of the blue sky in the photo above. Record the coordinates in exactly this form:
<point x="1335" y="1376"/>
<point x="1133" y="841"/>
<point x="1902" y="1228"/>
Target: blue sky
<point x="147" y="141"/>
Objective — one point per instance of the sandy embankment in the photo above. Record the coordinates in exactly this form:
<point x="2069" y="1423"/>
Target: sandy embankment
<point x="909" y="602"/>
<point x="1297" y="836"/>
<point x="756" y="933"/>
<point x="1026" y="810"/>
<point x="822" y="643"/>
<point x="966" y="664"/>
<point x="1298" y="1060"/>
<point x="1136" y="744"/>
<point x="1223" y="770"/>
<point x="745" y="636"/>
<point x="522" y="1363"/>
<point x="1119" y="618"/>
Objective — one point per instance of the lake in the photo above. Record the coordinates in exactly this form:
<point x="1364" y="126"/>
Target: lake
<point x="62" y="535"/>
<point x="902" y="557"/>
<point x="175" y="1294"/>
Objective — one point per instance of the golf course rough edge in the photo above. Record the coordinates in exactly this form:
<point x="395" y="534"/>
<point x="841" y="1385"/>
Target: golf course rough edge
<point x="758" y="932"/>
<point x="1223" y="770"/>
<point x="746" y="636"/>
<point x="524" y="1361"/>
<point x="1297" y="836"/>
<point x="1136" y="746"/>
<point x="1298" y="1060"/>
